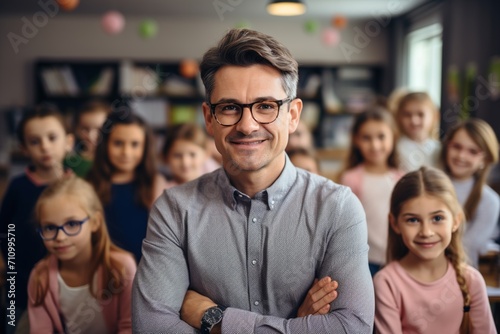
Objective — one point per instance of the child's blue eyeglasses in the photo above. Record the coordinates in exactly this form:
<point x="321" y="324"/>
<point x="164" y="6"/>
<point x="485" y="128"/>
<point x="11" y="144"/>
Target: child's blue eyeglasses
<point x="71" y="228"/>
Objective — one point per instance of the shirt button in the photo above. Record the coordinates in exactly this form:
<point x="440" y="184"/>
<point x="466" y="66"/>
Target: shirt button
<point x="256" y="303"/>
<point x="272" y="206"/>
<point x="254" y="262"/>
<point x="254" y="220"/>
<point x="272" y="202"/>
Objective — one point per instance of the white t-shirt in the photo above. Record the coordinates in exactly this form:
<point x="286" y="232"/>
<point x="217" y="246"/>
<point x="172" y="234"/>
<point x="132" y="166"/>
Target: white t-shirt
<point x="480" y="229"/>
<point x="81" y="311"/>
<point x="413" y="155"/>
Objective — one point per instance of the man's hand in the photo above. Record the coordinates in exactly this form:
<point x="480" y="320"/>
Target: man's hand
<point x="193" y="308"/>
<point x="319" y="297"/>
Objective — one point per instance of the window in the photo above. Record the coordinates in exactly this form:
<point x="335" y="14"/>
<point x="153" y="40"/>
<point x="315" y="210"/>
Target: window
<point x="423" y="59"/>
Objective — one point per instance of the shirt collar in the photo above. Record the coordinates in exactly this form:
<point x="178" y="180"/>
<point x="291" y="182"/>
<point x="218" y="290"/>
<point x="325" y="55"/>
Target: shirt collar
<point x="272" y="195"/>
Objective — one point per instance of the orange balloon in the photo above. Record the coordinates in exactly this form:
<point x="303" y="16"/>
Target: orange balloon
<point x="339" y="22"/>
<point x="189" y="68"/>
<point x="68" y="5"/>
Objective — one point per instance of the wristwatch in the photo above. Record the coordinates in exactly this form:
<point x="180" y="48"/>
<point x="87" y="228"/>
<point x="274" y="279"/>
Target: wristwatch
<point x="211" y="317"/>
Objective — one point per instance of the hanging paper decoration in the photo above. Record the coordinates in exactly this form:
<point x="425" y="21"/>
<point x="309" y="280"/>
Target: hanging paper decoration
<point x="68" y="5"/>
<point x="330" y="37"/>
<point x="242" y="25"/>
<point x="189" y="68"/>
<point x="113" y="22"/>
<point x="339" y="22"/>
<point x="148" y="28"/>
<point x="311" y="26"/>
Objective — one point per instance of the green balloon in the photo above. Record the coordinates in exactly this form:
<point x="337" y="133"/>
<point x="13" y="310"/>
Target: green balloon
<point x="311" y="26"/>
<point x="242" y="25"/>
<point x="148" y="28"/>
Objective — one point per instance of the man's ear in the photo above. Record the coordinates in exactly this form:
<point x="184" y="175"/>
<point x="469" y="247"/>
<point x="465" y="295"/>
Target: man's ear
<point x="294" y="114"/>
<point x="394" y="224"/>
<point x="207" y="115"/>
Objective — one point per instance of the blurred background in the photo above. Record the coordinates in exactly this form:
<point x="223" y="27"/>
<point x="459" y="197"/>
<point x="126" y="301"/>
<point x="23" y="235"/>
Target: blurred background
<point x="351" y="53"/>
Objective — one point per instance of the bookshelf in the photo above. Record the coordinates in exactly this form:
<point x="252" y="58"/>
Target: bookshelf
<point x="155" y="88"/>
<point x="160" y="92"/>
<point x="332" y="95"/>
<point x="68" y="84"/>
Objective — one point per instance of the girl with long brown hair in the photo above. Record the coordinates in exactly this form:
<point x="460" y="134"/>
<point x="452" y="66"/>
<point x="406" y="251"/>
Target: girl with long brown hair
<point x="427" y="287"/>
<point x="125" y="177"/>
<point x="371" y="173"/>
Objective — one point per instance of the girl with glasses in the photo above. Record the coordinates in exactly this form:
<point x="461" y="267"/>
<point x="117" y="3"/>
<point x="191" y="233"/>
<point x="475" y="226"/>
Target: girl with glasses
<point x="470" y="148"/>
<point x="84" y="284"/>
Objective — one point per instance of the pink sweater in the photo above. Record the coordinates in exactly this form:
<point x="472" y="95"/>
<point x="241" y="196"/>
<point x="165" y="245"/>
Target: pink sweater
<point x="46" y="318"/>
<point x="353" y="178"/>
<point x="374" y="192"/>
<point x="405" y="305"/>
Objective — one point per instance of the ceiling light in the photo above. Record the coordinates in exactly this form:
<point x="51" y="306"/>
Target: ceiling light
<point x="286" y="8"/>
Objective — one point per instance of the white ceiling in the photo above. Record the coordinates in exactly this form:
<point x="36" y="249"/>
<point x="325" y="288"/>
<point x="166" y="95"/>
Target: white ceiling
<point x="221" y="9"/>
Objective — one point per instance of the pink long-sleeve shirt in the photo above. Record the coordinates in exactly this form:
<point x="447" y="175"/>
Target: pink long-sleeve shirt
<point x="405" y="305"/>
<point x="46" y="317"/>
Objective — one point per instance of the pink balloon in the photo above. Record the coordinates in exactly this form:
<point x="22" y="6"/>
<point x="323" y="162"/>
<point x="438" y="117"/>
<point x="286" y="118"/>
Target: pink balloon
<point x="113" y="22"/>
<point x="330" y="37"/>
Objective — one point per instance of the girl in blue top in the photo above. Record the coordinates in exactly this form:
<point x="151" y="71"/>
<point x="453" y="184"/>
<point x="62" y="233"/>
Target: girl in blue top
<point x="125" y="177"/>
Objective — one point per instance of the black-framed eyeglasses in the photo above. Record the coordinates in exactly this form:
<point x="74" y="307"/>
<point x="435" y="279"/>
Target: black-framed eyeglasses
<point x="263" y="112"/>
<point x="71" y="228"/>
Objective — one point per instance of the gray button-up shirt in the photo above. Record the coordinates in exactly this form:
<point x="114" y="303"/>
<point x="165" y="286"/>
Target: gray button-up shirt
<point x="258" y="256"/>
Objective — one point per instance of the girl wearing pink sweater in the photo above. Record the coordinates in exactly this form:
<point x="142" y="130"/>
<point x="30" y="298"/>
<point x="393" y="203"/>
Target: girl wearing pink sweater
<point x="84" y="284"/>
<point x="371" y="172"/>
<point x="427" y="287"/>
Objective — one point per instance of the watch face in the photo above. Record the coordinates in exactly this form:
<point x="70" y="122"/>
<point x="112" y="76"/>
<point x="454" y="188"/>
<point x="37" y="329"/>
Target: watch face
<point x="213" y="315"/>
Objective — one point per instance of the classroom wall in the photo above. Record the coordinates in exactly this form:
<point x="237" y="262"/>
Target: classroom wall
<point x="76" y="36"/>
<point x="72" y="36"/>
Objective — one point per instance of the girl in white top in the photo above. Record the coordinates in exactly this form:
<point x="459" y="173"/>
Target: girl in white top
<point x="427" y="287"/>
<point x="469" y="150"/>
<point x="371" y="172"/>
<point x="418" y="122"/>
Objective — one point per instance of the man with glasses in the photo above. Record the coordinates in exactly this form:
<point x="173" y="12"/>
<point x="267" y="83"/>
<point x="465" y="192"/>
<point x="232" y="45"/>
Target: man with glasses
<point x="238" y="250"/>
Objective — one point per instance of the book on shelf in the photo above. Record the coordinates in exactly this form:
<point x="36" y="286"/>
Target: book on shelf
<point x="51" y="81"/>
<point x="331" y="102"/>
<point x="68" y="81"/>
<point x="102" y="86"/>
<point x="60" y="81"/>
<point x="138" y="80"/>
<point x="180" y="113"/>
<point x="153" y="111"/>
